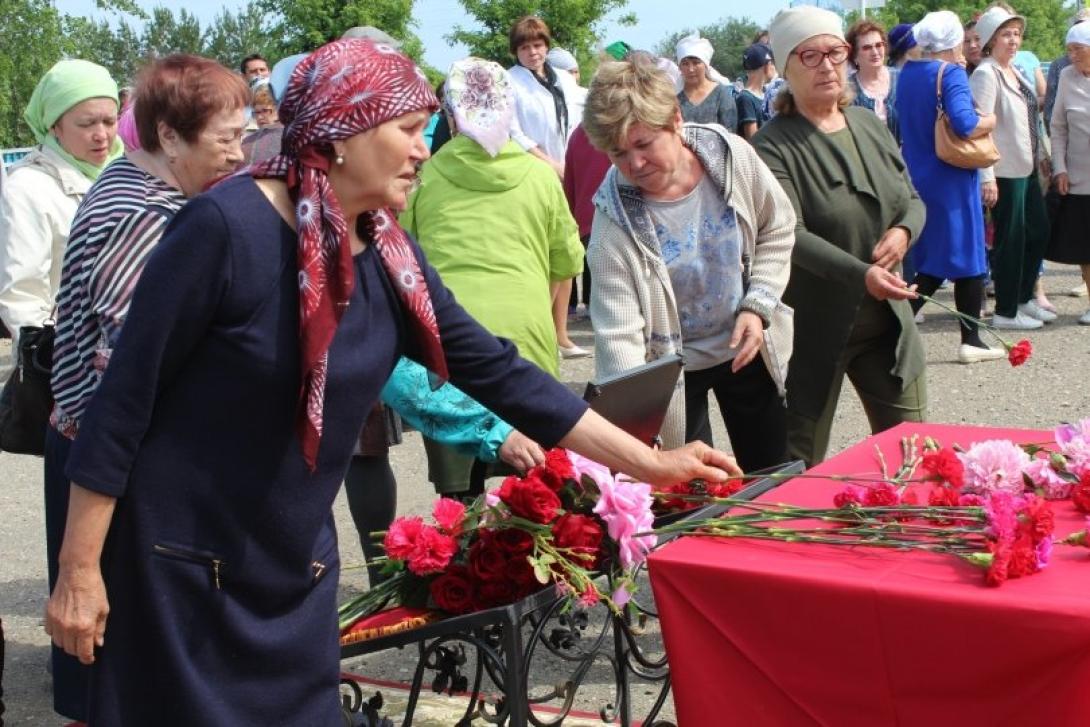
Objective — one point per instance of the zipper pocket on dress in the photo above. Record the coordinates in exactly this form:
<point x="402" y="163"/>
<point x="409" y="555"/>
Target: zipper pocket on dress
<point x="189" y="556"/>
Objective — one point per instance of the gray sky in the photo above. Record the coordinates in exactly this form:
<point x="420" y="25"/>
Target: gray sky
<point x="657" y="18"/>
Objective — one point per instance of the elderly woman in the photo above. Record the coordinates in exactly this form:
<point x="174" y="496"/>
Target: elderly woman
<point x="259" y="336"/>
<point x="857" y="214"/>
<point x="1071" y="162"/>
<point x="1011" y="187"/>
<point x="189" y="114"/>
<point x="73" y="115"/>
<point x="872" y="81"/>
<point x="690" y="252"/>
<point x="263" y="144"/>
<point x="705" y="98"/>
<point x="1052" y="83"/>
<point x="951" y="246"/>
<point x="496" y="225"/>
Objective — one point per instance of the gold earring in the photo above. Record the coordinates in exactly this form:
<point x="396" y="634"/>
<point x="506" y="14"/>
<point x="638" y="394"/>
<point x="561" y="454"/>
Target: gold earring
<point x="339" y="159"/>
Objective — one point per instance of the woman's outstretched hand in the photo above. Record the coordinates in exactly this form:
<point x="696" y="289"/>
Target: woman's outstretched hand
<point x="694" y="461"/>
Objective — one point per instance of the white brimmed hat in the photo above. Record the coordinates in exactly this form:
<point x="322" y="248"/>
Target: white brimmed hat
<point x="990" y="21"/>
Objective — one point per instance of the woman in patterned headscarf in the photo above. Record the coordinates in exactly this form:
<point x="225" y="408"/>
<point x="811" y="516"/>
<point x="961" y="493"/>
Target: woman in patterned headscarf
<point x="260" y="333"/>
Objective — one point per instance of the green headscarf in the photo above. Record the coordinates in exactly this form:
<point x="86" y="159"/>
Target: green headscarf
<point x="618" y="50"/>
<point x="63" y="86"/>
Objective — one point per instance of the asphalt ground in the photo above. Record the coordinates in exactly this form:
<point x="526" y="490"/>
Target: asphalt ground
<point x="1054" y="386"/>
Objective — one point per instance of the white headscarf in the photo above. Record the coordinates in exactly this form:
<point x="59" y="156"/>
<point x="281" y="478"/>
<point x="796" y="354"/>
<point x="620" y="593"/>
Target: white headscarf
<point x="481" y="97"/>
<point x="693" y="46"/>
<point x="561" y="59"/>
<point x="1079" y="34"/>
<point x="939" y="31"/>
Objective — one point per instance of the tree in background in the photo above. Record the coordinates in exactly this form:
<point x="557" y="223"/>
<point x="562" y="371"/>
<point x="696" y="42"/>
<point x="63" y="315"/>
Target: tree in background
<point x="574" y="25"/>
<point x="729" y="38"/>
<point x="233" y="36"/>
<point x="1046" y="20"/>
<point x="34" y="27"/>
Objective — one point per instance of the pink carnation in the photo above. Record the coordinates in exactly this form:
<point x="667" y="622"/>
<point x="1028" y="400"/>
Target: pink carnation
<point x="1074" y="443"/>
<point x="1042" y="474"/>
<point x="625" y="507"/>
<point x="449" y="514"/>
<point x="401" y="537"/>
<point x="970" y="501"/>
<point x="432" y="552"/>
<point x="995" y="465"/>
<point x="850" y="495"/>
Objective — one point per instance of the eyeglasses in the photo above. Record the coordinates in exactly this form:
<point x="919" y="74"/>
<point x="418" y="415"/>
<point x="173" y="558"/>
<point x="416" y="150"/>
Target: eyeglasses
<point x="812" y="58"/>
<point x="879" y="46"/>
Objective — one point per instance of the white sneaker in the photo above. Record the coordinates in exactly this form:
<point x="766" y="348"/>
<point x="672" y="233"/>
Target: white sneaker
<point x="1084" y="319"/>
<point x="919" y="316"/>
<point x="1079" y="291"/>
<point x="1032" y="310"/>
<point x="1020" y="322"/>
<point x="968" y="354"/>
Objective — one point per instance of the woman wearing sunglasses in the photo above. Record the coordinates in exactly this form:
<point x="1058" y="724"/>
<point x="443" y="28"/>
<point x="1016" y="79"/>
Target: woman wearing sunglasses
<point x="857" y="215"/>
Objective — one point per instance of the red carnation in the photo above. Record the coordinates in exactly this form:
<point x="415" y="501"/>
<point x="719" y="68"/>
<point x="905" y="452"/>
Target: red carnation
<point x="881" y="495"/>
<point x="1023" y="561"/>
<point x="1080" y="495"/>
<point x="1020" y="352"/>
<point x="432" y="552"/>
<point x="453" y="591"/>
<point x="582" y="535"/>
<point x="449" y="514"/>
<point x="943" y="496"/>
<point x="487" y="561"/>
<point x="556" y="461"/>
<point x="944" y="466"/>
<point x="726" y="489"/>
<point x="530" y="499"/>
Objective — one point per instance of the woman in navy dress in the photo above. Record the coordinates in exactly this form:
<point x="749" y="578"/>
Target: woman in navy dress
<point x="199" y="567"/>
<point x="951" y="246"/>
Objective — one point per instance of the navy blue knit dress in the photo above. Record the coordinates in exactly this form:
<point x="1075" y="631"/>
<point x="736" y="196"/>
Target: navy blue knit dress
<point x="221" y="562"/>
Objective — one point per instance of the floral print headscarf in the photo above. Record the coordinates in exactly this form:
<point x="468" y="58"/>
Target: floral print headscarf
<point x="480" y="97"/>
<point x="340" y="90"/>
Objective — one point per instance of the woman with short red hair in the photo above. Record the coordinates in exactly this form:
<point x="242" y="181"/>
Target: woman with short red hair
<point x="189" y="116"/>
<point x="874" y="86"/>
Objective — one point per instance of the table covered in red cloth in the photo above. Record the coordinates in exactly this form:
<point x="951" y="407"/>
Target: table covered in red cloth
<point x="771" y="633"/>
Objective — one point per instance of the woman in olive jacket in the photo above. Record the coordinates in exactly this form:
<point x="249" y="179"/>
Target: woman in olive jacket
<point x="857" y="214"/>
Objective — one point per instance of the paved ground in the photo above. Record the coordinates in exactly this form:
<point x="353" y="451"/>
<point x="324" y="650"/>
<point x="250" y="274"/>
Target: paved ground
<point x="1051" y="388"/>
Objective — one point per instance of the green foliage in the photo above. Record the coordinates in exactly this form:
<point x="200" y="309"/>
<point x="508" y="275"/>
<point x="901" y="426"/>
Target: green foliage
<point x="35" y="26"/>
<point x="729" y="37"/>
<point x="574" y="25"/>
<point x="1046" y="20"/>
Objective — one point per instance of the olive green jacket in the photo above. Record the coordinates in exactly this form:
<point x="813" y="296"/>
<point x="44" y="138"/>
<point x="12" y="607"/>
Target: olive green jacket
<point x="840" y="217"/>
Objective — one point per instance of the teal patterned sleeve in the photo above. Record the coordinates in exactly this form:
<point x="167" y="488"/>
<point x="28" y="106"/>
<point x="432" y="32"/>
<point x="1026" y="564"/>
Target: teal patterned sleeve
<point x="447" y="415"/>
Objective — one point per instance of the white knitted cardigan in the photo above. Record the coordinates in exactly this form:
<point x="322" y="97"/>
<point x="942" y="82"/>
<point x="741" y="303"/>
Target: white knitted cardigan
<point x="632" y="301"/>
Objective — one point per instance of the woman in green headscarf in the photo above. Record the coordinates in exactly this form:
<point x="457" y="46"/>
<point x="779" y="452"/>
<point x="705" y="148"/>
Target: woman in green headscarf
<point x="73" y="115"/>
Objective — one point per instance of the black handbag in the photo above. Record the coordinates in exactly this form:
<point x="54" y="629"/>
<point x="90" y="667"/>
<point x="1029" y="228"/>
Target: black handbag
<point x="27" y="398"/>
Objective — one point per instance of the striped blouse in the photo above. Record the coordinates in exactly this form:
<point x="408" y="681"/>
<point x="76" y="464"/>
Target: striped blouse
<point x="119" y="223"/>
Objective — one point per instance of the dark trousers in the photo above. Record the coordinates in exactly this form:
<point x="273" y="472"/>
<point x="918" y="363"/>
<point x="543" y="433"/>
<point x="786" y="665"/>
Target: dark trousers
<point x="371" y="489"/>
<point x="752" y="408"/>
<point x="70" y="678"/>
<point x="1021" y="236"/>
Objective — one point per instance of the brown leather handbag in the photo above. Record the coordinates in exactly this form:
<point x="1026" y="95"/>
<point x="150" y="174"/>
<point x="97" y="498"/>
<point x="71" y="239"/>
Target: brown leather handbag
<point x="962" y="153"/>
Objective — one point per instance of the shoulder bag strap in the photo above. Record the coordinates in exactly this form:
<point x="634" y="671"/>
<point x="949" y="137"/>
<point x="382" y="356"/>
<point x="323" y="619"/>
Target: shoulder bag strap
<point x="938" y="87"/>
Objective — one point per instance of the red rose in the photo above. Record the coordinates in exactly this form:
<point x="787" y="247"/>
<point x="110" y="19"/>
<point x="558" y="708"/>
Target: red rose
<point x="1080" y="495"/>
<point x="582" y="535"/>
<point x="1020" y="352"/>
<point x="944" y="466"/>
<point x="487" y="561"/>
<point x="513" y="541"/>
<point x="530" y="499"/>
<point x="453" y="591"/>
<point x="432" y="552"/>
<point x="521" y="573"/>
<point x="881" y="495"/>
<point x="557" y="462"/>
<point x="496" y="593"/>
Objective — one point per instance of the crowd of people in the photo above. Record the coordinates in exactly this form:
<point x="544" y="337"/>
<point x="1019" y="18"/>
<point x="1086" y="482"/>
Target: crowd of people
<point x="256" y="274"/>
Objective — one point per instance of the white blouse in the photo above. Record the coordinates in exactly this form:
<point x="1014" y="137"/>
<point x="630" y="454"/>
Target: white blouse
<point x="1071" y="130"/>
<point x="535" y="122"/>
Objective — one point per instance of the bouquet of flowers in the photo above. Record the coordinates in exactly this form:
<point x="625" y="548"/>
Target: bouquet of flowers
<point x="566" y="524"/>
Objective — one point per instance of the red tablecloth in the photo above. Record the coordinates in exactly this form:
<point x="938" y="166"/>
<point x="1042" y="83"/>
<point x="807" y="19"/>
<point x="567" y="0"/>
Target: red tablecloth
<point x="769" y="633"/>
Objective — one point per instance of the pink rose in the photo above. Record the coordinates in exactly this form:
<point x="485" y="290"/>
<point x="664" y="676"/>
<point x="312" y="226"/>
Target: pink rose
<point x="625" y="507"/>
<point x="401" y="537"/>
<point x="449" y="515"/>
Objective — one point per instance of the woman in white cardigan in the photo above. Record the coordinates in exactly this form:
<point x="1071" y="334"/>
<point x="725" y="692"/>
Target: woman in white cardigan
<point x="1011" y="187"/>
<point x="73" y="116"/>
<point x="1071" y="158"/>
<point x="690" y="252"/>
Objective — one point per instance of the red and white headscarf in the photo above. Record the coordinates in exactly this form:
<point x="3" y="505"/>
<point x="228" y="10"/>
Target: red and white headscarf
<point x="340" y="90"/>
